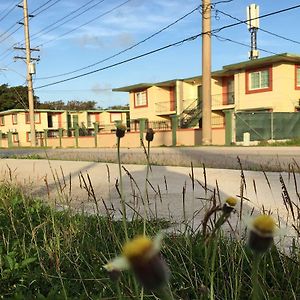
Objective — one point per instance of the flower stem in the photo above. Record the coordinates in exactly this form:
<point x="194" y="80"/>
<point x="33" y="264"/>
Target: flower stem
<point x="256" y="288"/>
<point x="124" y="219"/>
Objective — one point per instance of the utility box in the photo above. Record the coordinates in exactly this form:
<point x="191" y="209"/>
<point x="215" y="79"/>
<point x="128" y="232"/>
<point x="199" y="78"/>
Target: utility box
<point x="246" y="139"/>
<point x="32" y="68"/>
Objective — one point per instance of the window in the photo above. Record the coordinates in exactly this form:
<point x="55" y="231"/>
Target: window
<point x="15" y="137"/>
<point x="115" y="117"/>
<point x="259" y="80"/>
<point x="14" y="118"/>
<point x="297" y="77"/>
<point x="140" y="99"/>
<point x="37" y="118"/>
<point x="28" y="136"/>
<point x="2" y="122"/>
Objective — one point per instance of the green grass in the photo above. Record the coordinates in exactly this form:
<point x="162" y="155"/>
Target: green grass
<point x="47" y="254"/>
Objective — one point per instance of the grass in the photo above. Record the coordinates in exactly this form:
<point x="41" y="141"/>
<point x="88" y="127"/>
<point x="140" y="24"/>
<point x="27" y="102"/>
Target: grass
<point x="51" y="254"/>
<point x="47" y="254"/>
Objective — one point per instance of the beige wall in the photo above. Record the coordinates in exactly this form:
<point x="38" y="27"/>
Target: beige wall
<point x="154" y="94"/>
<point x="282" y="98"/>
<point x="191" y="137"/>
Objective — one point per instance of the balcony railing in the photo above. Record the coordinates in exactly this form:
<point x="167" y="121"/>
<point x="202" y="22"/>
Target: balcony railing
<point x="222" y="99"/>
<point x="165" y="107"/>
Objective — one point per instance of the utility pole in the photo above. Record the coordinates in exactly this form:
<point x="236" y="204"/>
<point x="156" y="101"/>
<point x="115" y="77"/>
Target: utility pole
<point x="206" y="73"/>
<point x="30" y="71"/>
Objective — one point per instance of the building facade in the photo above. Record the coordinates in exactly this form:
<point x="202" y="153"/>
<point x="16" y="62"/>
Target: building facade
<point x="16" y="123"/>
<point x="266" y="84"/>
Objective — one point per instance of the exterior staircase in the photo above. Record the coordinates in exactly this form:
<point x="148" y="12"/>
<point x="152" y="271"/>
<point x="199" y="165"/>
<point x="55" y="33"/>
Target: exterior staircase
<point x="190" y="115"/>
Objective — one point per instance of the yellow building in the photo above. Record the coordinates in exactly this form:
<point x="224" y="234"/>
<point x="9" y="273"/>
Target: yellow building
<point x="266" y="84"/>
<point x="16" y="123"/>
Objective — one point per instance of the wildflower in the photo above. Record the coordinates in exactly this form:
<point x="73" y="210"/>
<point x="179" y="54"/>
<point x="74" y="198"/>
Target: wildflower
<point x="262" y="232"/>
<point x="121" y="129"/>
<point x="150" y="135"/>
<point x="229" y="205"/>
<point x="142" y="255"/>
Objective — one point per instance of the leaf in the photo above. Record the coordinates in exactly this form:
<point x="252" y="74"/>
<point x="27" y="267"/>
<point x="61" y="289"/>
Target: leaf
<point x="27" y="261"/>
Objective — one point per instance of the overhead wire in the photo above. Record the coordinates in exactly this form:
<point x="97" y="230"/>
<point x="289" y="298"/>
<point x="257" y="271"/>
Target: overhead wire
<point x="224" y="39"/>
<point x="126" y="49"/>
<point x="45" y="31"/>
<point x="213" y="32"/>
<point x="20" y="20"/>
<point x="86" y="23"/>
<point x="46" y="8"/>
<point x="191" y="38"/>
<point x="260" y="29"/>
<point x="38" y="8"/>
<point x="9" y="11"/>
<point x="62" y="18"/>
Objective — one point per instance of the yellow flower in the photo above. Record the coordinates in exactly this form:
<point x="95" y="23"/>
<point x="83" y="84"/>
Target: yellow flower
<point x="231" y="201"/>
<point x="140" y="247"/>
<point x="264" y="224"/>
<point x="262" y="231"/>
<point x="142" y="255"/>
<point x="229" y="205"/>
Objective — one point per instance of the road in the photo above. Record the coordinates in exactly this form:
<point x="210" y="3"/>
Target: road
<point x="251" y="158"/>
<point x="170" y="190"/>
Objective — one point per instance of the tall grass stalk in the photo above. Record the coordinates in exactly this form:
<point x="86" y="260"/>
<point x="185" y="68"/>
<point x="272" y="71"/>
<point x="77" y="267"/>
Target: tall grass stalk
<point x="123" y="205"/>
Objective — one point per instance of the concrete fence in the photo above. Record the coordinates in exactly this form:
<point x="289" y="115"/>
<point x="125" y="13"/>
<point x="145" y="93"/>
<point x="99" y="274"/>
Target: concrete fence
<point x="132" y="139"/>
<point x="184" y="137"/>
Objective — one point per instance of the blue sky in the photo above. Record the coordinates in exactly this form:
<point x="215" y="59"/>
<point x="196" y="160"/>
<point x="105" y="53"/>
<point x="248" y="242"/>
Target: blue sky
<point x="123" y="27"/>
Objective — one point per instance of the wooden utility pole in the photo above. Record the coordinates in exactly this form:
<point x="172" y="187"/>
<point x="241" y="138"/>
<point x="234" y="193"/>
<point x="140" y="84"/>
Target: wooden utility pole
<point x="29" y="75"/>
<point x="206" y="72"/>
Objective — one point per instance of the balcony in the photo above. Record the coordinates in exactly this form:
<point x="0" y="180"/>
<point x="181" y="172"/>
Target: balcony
<point x="165" y="107"/>
<point x="222" y="100"/>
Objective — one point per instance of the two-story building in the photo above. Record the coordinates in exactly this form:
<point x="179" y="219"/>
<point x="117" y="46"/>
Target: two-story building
<point x="265" y="84"/>
<point x="17" y="122"/>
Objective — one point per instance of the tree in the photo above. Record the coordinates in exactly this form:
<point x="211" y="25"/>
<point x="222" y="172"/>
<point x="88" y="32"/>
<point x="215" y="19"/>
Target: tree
<point x="126" y="106"/>
<point x="14" y="97"/>
<point x="71" y="105"/>
<point x="55" y="105"/>
<point x="81" y="105"/>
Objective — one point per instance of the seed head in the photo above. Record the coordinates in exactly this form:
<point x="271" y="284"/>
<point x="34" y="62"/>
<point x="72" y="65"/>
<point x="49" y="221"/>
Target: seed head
<point x="121" y="129"/>
<point x="150" y="135"/>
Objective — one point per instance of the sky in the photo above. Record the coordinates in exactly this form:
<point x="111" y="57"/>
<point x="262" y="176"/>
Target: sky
<point x="106" y="27"/>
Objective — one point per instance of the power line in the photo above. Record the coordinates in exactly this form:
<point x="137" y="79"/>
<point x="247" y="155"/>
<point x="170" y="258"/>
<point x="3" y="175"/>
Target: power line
<point x="124" y="61"/>
<point x="86" y="23"/>
<point x="9" y="11"/>
<point x="224" y="39"/>
<point x="37" y="35"/>
<point x="261" y="29"/>
<point x="52" y="4"/>
<point x="260" y="17"/>
<point x="124" y="50"/>
<point x="168" y="46"/>
<point x="20" y="20"/>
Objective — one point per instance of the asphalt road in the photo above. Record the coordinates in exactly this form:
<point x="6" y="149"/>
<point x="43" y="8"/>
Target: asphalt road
<point x="250" y="158"/>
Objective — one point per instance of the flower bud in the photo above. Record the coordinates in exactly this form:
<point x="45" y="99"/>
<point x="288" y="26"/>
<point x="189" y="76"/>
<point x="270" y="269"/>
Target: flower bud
<point x="150" y="135"/>
<point x="121" y="129"/>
